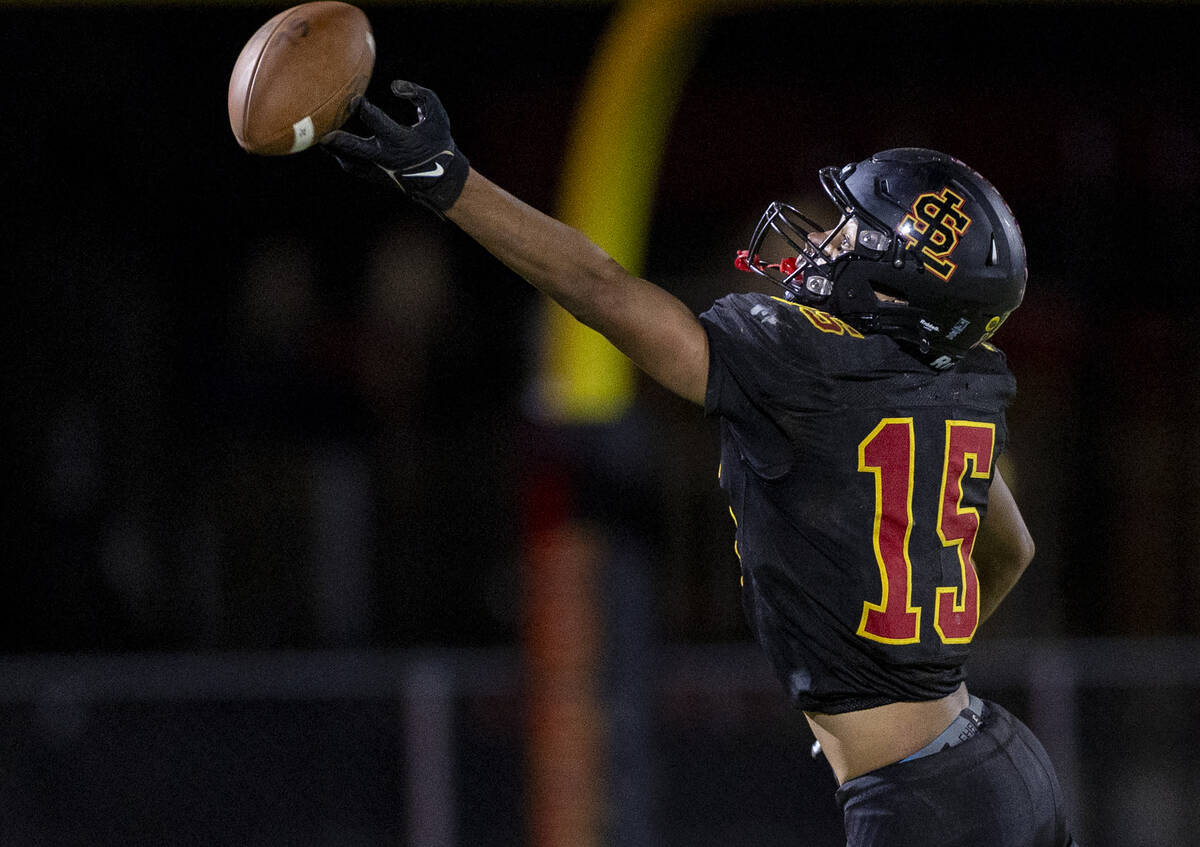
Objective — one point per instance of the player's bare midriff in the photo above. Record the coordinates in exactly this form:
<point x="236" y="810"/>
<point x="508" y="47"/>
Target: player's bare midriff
<point x="856" y="743"/>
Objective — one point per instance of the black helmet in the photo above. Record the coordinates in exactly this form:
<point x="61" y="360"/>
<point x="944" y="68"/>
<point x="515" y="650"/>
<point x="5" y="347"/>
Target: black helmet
<point x="918" y="227"/>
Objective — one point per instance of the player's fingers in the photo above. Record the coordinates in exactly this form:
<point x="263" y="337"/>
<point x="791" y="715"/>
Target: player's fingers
<point x="346" y="144"/>
<point x="406" y="90"/>
<point x="379" y="121"/>
<point x="424" y="100"/>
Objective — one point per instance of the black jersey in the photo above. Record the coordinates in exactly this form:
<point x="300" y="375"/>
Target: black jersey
<point x="857" y="477"/>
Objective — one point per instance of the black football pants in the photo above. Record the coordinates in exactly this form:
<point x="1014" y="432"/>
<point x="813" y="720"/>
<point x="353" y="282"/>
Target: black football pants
<point x="997" y="789"/>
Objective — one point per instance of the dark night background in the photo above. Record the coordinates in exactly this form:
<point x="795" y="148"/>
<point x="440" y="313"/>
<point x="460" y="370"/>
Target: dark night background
<point x="228" y="376"/>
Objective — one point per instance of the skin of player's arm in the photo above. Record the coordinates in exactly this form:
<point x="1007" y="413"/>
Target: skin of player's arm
<point x="648" y="324"/>
<point x="1003" y="547"/>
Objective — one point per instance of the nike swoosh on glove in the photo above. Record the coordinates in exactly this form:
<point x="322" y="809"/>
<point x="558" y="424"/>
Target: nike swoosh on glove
<point x="421" y="159"/>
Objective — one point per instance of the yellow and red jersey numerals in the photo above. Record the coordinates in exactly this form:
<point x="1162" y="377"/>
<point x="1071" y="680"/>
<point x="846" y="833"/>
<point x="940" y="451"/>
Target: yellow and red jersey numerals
<point x="888" y="453"/>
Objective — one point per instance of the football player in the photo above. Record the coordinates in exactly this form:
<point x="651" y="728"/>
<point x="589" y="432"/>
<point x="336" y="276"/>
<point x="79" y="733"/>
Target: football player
<point x="862" y="415"/>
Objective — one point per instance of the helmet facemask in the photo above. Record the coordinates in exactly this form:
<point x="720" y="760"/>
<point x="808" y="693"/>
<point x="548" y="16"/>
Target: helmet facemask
<point x="807" y="257"/>
<point x="810" y="262"/>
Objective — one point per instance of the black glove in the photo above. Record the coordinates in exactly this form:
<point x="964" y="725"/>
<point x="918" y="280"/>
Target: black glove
<point x="422" y="159"/>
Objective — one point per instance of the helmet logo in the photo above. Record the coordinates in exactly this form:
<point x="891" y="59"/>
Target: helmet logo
<point x="933" y="227"/>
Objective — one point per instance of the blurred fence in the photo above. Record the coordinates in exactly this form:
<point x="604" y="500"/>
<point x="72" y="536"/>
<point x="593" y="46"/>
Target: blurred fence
<point x="425" y="747"/>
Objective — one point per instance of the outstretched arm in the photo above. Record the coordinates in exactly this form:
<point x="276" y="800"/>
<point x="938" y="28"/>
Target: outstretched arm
<point x="648" y="324"/>
<point x="1003" y="547"/>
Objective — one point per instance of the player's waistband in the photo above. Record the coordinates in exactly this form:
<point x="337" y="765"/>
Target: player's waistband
<point x="962" y="728"/>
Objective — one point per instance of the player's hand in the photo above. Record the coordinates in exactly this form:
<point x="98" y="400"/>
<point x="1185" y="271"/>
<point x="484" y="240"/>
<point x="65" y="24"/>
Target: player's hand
<point x="421" y="159"/>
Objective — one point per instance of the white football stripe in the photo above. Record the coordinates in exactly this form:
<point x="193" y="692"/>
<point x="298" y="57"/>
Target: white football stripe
<point x="303" y="134"/>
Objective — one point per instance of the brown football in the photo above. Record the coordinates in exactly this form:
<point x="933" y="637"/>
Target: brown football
<point x="297" y="77"/>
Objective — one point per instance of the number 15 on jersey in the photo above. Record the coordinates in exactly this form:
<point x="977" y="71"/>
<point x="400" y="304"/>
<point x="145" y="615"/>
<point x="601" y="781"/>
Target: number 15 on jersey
<point x="888" y="453"/>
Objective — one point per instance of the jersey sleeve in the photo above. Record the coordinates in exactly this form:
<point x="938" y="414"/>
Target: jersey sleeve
<point x="742" y="339"/>
<point x="725" y="327"/>
<point x="746" y="366"/>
